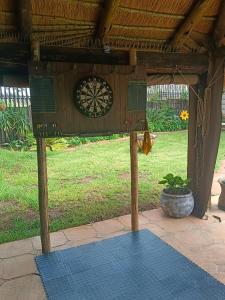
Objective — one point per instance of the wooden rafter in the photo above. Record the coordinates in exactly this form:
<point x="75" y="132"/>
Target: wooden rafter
<point x="24" y="10"/>
<point x="106" y="18"/>
<point x="142" y="28"/>
<point x="219" y="32"/>
<point x="158" y="14"/>
<point x="189" y="23"/>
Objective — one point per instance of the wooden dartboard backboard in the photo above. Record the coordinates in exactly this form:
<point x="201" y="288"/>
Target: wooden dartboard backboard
<point x="83" y="101"/>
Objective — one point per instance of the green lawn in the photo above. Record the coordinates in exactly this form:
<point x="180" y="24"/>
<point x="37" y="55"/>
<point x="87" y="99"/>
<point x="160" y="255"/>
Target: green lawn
<point x="86" y="184"/>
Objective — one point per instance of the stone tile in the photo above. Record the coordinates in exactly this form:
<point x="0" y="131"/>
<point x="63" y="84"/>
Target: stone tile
<point x="107" y="227"/>
<point x="25" y="288"/>
<point x="154" y="229"/>
<point x="217" y="213"/>
<point x="126" y="220"/>
<point x="193" y="239"/>
<point x="1" y="268"/>
<point x="72" y="244"/>
<point x="221" y="268"/>
<point x="114" y="234"/>
<point x="217" y="232"/>
<point x="214" y="253"/>
<point x="57" y="239"/>
<point x="211" y="268"/>
<point x="172" y="225"/>
<point x="80" y="233"/>
<point x="170" y="240"/>
<point x="202" y="222"/>
<point x="220" y="277"/>
<point x="15" y="248"/>
<point x="18" y="266"/>
<point x="1" y="281"/>
<point x="154" y="215"/>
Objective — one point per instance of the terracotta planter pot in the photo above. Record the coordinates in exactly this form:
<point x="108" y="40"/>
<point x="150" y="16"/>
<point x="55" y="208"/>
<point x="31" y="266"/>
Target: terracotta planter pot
<point x="177" y="206"/>
<point x="221" y="202"/>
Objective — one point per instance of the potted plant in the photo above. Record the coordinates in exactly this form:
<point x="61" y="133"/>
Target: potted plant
<point x="176" y="199"/>
<point x="221" y="202"/>
<point x="2" y="105"/>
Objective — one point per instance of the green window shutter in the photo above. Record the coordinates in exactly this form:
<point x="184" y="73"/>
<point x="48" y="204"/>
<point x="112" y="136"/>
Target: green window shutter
<point x="137" y="95"/>
<point x="42" y="94"/>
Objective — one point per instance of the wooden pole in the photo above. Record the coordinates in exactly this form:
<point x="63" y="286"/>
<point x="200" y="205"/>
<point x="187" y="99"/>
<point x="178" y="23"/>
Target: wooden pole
<point x="42" y="174"/>
<point x="134" y="180"/>
<point x="43" y="194"/>
<point x="204" y="133"/>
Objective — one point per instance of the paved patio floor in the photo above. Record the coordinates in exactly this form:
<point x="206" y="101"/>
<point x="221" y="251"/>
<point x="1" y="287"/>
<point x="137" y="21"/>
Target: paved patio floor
<point x="202" y="241"/>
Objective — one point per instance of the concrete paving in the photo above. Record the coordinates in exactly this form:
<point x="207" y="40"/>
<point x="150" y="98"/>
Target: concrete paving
<point x="202" y="241"/>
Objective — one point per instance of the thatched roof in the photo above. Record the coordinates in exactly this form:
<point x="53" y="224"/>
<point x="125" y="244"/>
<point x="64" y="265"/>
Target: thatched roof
<point x="187" y="24"/>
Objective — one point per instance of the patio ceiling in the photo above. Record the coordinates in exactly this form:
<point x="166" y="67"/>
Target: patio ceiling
<point x="150" y="24"/>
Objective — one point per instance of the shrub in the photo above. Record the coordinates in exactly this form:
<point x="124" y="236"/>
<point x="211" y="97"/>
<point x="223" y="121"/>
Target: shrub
<point x="15" y="123"/>
<point x="75" y="141"/>
<point x="165" y="119"/>
<point x="175" y="184"/>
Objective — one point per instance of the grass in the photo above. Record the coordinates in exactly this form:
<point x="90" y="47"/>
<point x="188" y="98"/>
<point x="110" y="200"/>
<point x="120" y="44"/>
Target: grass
<point x="88" y="183"/>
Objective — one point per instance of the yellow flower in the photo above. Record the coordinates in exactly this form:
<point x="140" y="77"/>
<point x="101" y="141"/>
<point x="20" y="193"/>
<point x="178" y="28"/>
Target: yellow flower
<point x="184" y="115"/>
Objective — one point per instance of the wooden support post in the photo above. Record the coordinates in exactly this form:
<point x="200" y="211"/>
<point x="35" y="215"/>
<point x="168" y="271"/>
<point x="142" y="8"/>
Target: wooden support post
<point x="204" y="133"/>
<point x="133" y="57"/>
<point x="134" y="181"/>
<point x="42" y="174"/>
<point x="43" y="194"/>
<point x="191" y="166"/>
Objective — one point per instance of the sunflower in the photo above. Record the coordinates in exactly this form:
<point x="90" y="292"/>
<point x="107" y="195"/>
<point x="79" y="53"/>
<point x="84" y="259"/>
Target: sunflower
<point x="184" y="115"/>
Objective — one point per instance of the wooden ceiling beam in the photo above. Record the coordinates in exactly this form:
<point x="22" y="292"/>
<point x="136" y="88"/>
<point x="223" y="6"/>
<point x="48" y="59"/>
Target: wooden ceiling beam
<point x="219" y="32"/>
<point x="24" y="10"/>
<point x="19" y="53"/>
<point x="108" y="12"/>
<point x="189" y="23"/>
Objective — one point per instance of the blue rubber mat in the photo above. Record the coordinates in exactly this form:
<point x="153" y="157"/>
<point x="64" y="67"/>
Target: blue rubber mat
<point x="132" y="266"/>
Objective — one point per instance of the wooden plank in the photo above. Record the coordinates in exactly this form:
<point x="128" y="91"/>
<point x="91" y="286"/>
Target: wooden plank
<point x="108" y="12"/>
<point x="219" y="31"/>
<point x="134" y="180"/>
<point x="133" y="57"/>
<point x="14" y="52"/>
<point x="189" y="23"/>
<point x="192" y="62"/>
<point x="96" y="56"/>
<point x="24" y="13"/>
<point x="43" y="194"/>
<point x="192" y="124"/>
<point x="155" y="79"/>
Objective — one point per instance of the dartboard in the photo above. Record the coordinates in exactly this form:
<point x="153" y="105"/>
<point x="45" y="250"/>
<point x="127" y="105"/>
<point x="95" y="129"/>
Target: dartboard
<point x="93" y="97"/>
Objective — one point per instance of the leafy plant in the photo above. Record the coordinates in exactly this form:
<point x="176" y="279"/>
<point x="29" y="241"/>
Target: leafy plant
<point x="15" y="123"/>
<point x="165" y="119"/>
<point x="184" y="95"/>
<point x="175" y="184"/>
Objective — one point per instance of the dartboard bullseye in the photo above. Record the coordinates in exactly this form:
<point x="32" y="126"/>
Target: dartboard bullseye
<point x="93" y="97"/>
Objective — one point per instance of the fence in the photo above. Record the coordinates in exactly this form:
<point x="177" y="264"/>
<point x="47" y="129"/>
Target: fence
<point x="167" y="91"/>
<point x="173" y="95"/>
<point x="176" y="104"/>
<point x="15" y="97"/>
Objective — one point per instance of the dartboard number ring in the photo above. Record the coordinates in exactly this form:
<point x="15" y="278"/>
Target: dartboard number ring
<point x="93" y="97"/>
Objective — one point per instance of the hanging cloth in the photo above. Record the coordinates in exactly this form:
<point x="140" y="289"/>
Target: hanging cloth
<point x="147" y="143"/>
